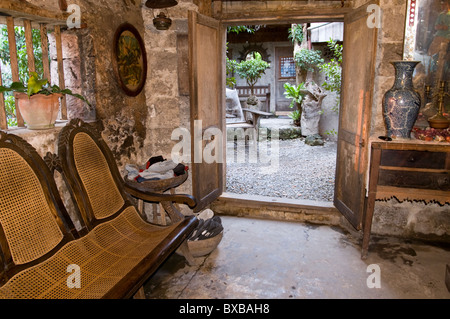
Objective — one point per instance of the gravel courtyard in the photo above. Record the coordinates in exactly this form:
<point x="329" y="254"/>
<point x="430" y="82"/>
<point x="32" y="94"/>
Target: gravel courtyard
<point x="291" y="170"/>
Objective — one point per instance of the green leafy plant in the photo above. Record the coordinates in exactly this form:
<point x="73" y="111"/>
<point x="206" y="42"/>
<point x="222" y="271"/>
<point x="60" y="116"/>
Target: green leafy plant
<point x="230" y="67"/>
<point x="294" y="92"/>
<point x="19" y="33"/>
<point x="230" y="79"/>
<point x="241" y="28"/>
<point x="252" y="69"/>
<point x="308" y="59"/>
<point x="296" y="117"/>
<point x="22" y="58"/>
<point x="296" y="33"/>
<point x="38" y="86"/>
<point x="333" y="71"/>
<point x="331" y="132"/>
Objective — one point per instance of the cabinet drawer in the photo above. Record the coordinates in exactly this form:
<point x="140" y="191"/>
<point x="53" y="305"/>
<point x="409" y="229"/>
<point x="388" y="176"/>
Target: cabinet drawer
<point x="415" y="179"/>
<point x="414" y="159"/>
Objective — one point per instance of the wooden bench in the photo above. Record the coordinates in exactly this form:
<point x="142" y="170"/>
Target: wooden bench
<point x="260" y="91"/>
<point x="252" y="124"/>
<point x="246" y="123"/>
<point x="113" y="253"/>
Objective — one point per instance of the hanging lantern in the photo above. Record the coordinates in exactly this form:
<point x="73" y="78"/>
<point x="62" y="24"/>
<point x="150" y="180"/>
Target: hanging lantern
<point x="161" y="21"/>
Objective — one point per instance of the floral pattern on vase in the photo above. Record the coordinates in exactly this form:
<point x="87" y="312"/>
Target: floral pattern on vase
<point x="401" y="103"/>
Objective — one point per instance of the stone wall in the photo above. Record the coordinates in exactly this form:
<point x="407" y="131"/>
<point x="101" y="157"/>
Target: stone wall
<point x="167" y="87"/>
<point x="135" y="128"/>
<point x="123" y="117"/>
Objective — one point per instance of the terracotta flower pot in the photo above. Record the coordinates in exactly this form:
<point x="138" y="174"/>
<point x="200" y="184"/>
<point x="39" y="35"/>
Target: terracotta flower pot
<point x="39" y="111"/>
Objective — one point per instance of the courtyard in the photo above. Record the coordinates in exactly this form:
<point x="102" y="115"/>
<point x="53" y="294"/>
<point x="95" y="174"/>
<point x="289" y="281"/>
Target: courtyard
<point x="292" y="169"/>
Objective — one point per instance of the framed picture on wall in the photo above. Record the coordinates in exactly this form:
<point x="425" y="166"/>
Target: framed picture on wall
<point x="129" y="59"/>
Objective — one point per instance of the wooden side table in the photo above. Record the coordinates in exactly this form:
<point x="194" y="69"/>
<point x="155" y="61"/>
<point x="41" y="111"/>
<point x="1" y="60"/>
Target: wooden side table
<point x="160" y="186"/>
<point x="406" y="170"/>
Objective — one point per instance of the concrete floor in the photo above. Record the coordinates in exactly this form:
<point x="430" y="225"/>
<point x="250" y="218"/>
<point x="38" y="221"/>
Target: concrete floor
<point x="263" y="259"/>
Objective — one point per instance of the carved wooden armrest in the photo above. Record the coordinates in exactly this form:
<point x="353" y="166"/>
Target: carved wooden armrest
<point x="166" y="200"/>
<point x="155" y="197"/>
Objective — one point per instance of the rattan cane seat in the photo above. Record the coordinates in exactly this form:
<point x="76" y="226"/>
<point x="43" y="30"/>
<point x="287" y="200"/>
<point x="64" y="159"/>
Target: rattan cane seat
<point x="114" y="251"/>
<point x="25" y="215"/>
<point x="103" y="200"/>
<point x="105" y="256"/>
<point x="34" y="223"/>
<point x="95" y="174"/>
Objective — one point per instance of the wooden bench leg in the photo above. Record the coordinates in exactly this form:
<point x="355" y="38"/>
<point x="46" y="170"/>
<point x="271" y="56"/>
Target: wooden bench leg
<point x="447" y="277"/>
<point x="140" y="294"/>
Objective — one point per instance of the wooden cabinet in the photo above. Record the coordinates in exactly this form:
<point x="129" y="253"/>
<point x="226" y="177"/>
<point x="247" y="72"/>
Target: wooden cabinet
<point x="406" y="171"/>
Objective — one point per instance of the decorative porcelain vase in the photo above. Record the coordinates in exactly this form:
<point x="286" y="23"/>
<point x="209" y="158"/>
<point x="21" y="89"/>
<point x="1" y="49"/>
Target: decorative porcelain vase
<point x="401" y="103"/>
<point x="39" y="111"/>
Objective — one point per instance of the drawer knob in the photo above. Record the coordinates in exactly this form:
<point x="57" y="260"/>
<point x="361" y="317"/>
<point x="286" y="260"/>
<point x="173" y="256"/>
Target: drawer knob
<point x="411" y="159"/>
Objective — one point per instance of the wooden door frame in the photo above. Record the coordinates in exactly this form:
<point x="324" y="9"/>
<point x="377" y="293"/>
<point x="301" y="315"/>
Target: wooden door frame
<point x="278" y="78"/>
<point x="295" y="16"/>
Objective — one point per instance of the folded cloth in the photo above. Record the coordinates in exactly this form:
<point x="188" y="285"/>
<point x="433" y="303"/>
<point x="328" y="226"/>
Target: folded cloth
<point x="133" y="171"/>
<point x="162" y="167"/>
<point x="147" y="175"/>
<point x="159" y="169"/>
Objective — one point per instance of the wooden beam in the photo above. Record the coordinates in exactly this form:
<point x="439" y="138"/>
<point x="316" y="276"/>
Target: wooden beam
<point x="300" y="14"/>
<point x="29" y="45"/>
<point x="59" y="57"/>
<point x="44" y="45"/>
<point x="14" y="63"/>
<point x="26" y="10"/>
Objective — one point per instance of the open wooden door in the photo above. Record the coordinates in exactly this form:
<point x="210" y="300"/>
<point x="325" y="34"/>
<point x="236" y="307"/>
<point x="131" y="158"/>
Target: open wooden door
<point x="358" y="66"/>
<point x="207" y="96"/>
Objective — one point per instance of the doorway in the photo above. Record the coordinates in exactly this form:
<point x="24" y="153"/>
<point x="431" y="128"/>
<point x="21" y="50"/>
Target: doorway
<point x="284" y="73"/>
<point x="300" y="172"/>
<point x="356" y="98"/>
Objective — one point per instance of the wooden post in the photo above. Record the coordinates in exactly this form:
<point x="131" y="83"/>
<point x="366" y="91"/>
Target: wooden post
<point x="14" y="63"/>
<point x="59" y="57"/>
<point x="29" y="44"/>
<point x="3" y="121"/>
<point x="44" y="45"/>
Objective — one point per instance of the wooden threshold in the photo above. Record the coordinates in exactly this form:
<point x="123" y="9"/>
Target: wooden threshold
<point x="277" y="208"/>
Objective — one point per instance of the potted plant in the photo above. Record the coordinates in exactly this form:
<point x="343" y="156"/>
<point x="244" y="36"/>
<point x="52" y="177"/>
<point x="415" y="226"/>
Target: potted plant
<point x="296" y="94"/>
<point x="38" y="102"/>
<point x="296" y="117"/>
<point x="252" y="70"/>
<point x="307" y="61"/>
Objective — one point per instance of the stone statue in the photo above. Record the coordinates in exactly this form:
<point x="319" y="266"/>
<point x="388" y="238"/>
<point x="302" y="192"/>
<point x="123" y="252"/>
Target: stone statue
<point x="311" y="105"/>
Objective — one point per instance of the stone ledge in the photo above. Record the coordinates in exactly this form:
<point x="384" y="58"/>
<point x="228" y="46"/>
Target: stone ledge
<point x="315" y="212"/>
<point x="42" y="140"/>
